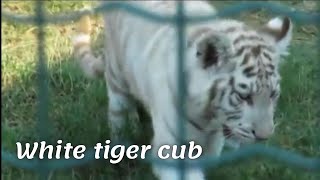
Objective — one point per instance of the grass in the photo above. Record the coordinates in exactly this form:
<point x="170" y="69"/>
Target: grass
<point x="78" y="105"/>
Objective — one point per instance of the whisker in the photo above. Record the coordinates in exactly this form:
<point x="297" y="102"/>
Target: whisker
<point x="244" y="130"/>
<point x="229" y="136"/>
<point x="245" y="135"/>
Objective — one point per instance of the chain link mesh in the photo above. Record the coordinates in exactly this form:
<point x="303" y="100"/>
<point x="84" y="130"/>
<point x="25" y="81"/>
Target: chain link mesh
<point x="180" y="20"/>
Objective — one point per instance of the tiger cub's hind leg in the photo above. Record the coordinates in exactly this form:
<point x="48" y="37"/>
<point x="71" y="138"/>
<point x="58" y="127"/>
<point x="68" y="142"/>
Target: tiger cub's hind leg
<point x="120" y="108"/>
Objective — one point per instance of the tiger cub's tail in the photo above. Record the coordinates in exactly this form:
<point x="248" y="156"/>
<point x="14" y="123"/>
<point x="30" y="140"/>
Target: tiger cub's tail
<point x="92" y="66"/>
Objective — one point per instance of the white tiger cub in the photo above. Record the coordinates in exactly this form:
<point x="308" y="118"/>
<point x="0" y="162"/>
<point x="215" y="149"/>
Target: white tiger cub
<point x="232" y="83"/>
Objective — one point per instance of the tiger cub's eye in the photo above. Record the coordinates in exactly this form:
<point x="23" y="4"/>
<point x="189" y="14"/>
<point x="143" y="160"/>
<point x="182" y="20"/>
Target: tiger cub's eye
<point x="246" y="97"/>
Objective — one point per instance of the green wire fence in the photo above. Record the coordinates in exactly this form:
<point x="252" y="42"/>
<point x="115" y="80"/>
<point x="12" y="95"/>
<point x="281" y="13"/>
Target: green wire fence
<point x="180" y="20"/>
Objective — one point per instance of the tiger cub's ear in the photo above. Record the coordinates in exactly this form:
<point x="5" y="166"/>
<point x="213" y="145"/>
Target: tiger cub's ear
<point x="281" y="30"/>
<point x="212" y="48"/>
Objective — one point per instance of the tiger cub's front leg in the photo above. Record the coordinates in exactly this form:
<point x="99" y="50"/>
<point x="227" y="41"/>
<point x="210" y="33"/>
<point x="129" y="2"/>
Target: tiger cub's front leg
<point x="121" y="107"/>
<point x="165" y="131"/>
<point x="216" y="144"/>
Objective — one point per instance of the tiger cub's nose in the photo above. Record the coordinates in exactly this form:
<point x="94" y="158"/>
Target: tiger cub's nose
<point x="264" y="133"/>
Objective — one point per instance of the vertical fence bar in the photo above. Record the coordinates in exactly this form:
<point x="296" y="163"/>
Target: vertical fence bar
<point x="318" y="70"/>
<point x="182" y="93"/>
<point x="42" y="85"/>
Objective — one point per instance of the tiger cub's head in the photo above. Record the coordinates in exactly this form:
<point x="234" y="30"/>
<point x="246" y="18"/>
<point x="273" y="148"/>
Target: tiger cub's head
<point x="239" y="66"/>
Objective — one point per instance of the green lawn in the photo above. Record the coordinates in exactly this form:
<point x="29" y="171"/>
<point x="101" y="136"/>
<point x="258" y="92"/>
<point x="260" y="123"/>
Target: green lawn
<point x="78" y="105"/>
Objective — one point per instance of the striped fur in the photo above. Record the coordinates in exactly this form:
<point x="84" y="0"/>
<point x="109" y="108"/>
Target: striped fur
<point x="232" y="74"/>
